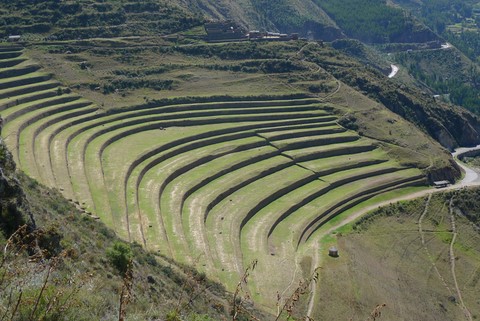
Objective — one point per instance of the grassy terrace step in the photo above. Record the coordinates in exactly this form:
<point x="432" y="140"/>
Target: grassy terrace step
<point x="302" y="218"/>
<point x="24" y="80"/>
<point x="25" y="98"/>
<point x="314" y="226"/>
<point x="318" y="140"/>
<point x="306" y="104"/>
<point x="33" y="150"/>
<point x="11" y="92"/>
<point x="294" y="127"/>
<point x="198" y="205"/>
<point x="302" y="132"/>
<point x="10" y="54"/>
<point x="5" y="63"/>
<point x="179" y="163"/>
<point x="20" y="118"/>
<point x="38" y="105"/>
<point x="225" y="220"/>
<point x="45" y="135"/>
<point x="10" y="48"/>
<point x="329" y="165"/>
<point x="347" y="175"/>
<point x="18" y="71"/>
<point x="136" y="170"/>
<point x="310" y="153"/>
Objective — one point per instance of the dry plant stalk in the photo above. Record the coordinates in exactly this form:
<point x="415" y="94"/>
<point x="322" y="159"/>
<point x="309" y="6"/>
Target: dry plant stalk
<point x="238" y="307"/>
<point x="126" y="294"/>
<point x="376" y="313"/>
<point x="14" y="272"/>
<point x="290" y="303"/>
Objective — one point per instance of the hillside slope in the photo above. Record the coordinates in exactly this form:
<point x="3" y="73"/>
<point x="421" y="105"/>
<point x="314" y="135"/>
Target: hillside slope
<point x="81" y="281"/>
<point x="326" y="20"/>
<point x="220" y="154"/>
<point x="235" y="178"/>
<point x="375" y="21"/>
<point x="418" y="258"/>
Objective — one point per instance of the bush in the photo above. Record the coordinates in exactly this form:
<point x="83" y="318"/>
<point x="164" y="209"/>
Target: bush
<point x="120" y="255"/>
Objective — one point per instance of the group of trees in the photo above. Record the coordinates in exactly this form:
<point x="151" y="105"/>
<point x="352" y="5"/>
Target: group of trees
<point x="279" y="12"/>
<point x="371" y="20"/>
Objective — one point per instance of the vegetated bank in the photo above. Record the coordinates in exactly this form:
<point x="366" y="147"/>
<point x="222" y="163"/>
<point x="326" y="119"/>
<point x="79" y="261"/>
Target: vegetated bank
<point x="420" y="258"/>
<point x="59" y="263"/>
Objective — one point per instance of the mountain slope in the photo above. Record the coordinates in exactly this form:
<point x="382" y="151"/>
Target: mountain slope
<point x="80" y="279"/>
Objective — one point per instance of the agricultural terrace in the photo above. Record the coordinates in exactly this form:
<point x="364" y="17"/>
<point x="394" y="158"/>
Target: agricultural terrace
<point x="215" y="184"/>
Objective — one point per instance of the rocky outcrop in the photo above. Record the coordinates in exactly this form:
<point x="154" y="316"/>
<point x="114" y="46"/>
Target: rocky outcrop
<point x="414" y="33"/>
<point x="450" y="173"/>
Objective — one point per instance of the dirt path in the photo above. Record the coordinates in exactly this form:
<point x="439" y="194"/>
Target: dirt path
<point x="468" y="316"/>
<point x="424" y="244"/>
<point x="315" y="264"/>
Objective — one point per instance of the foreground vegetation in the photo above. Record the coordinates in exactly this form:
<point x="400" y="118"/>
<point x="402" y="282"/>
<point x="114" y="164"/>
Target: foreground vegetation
<point x="60" y="264"/>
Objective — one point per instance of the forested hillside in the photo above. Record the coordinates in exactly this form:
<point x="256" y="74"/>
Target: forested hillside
<point x="60" y="20"/>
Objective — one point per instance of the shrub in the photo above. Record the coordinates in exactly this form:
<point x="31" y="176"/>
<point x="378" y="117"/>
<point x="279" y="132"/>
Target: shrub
<point x="120" y="255"/>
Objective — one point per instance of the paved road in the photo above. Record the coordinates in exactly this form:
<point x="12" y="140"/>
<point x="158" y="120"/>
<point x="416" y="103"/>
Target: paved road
<point x="471" y="176"/>
<point x="394" y="71"/>
<point x="446" y="46"/>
